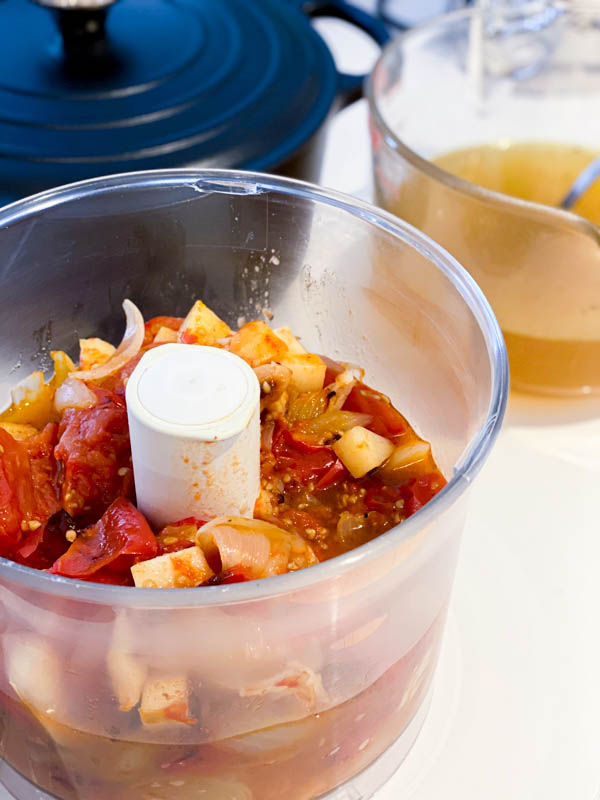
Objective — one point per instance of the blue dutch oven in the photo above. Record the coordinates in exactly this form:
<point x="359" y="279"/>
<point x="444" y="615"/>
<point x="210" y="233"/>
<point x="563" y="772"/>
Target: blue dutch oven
<point x="90" y="88"/>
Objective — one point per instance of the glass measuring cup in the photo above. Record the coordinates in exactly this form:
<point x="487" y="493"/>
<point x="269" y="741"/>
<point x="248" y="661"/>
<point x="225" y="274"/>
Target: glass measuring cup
<point x="497" y="77"/>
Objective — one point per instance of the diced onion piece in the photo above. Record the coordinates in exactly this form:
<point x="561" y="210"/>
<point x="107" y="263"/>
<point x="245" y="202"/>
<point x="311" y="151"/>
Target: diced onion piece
<point x="165" y="335"/>
<point x="29" y="389"/>
<point x="361" y="450"/>
<point x="34" y="670"/>
<point x="202" y="326"/>
<point x="181" y="569"/>
<point x="334" y="422"/>
<point x="352" y="530"/>
<point x="256" y="343"/>
<point x="404" y="459"/>
<point x="288" y="337"/>
<point x="308" y="371"/>
<point x="165" y="701"/>
<point x="274" y="380"/>
<point x="32" y="402"/>
<point x="352" y="371"/>
<point x="343" y="385"/>
<point x="129" y="347"/>
<point x="127" y="674"/>
<point x="19" y="432"/>
<point x="307" y="405"/>
<point x="267" y="430"/>
<point x="63" y="366"/>
<point x="94" y="352"/>
<point x="298" y="679"/>
<point x="73" y="393"/>
<point x="259" y="548"/>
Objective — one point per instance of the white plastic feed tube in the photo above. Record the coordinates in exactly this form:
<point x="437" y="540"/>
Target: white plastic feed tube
<point x="194" y="423"/>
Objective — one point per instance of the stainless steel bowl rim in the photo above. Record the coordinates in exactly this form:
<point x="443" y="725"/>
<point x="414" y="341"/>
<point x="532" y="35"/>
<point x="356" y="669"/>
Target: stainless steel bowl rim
<point x="490" y="196"/>
<point x="467" y="466"/>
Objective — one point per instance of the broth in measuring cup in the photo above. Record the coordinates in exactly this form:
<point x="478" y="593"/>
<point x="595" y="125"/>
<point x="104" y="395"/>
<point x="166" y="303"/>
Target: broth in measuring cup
<point x="538" y="267"/>
<point x="541" y="172"/>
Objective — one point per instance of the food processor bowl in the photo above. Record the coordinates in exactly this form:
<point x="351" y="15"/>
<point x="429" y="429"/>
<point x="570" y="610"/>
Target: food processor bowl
<point x="310" y="684"/>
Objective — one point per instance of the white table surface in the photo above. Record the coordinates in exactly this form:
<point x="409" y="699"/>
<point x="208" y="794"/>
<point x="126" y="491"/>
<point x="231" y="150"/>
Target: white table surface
<point x="516" y="703"/>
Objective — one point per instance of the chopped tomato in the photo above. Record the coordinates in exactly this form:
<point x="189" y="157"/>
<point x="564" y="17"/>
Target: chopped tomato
<point x="336" y="472"/>
<point x="386" y="421"/>
<point x="28" y="493"/>
<point x="121" y="538"/>
<point x="50" y="546"/>
<point x="304" y="462"/>
<point x="188" y="337"/>
<point x="178" y="535"/>
<point x="384" y="498"/>
<point x="419" y="491"/>
<point x="152" y="327"/>
<point x="96" y="455"/>
<point x="407" y="497"/>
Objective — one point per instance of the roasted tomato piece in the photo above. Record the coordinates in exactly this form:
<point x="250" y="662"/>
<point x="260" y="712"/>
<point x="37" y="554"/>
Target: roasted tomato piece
<point x="336" y="472"/>
<point x="28" y="489"/>
<point x="152" y="327"/>
<point x="406" y="498"/>
<point x="51" y="545"/>
<point x="386" y="420"/>
<point x="302" y="461"/>
<point x="384" y="498"/>
<point x="419" y="491"/>
<point x="178" y="535"/>
<point x="121" y="538"/>
<point x="96" y="455"/>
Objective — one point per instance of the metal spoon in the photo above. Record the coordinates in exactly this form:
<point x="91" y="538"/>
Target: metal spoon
<point x="588" y="176"/>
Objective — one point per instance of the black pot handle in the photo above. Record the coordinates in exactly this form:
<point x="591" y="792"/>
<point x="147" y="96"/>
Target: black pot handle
<point x="350" y="85"/>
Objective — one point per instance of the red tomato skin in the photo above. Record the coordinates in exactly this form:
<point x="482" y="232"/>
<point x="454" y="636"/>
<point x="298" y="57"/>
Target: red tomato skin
<point x="387" y="421"/>
<point x="178" y="535"/>
<point x="94" y="448"/>
<point x="28" y="488"/>
<point x="14" y="487"/>
<point x="118" y="540"/>
<point x="305" y="462"/>
<point x="50" y="546"/>
<point x="413" y="493"/>
<point x="335" y="473"/>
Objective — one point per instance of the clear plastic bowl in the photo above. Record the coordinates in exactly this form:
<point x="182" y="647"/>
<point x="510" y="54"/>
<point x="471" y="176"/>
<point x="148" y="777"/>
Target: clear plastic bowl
<point x="298" y="683"/>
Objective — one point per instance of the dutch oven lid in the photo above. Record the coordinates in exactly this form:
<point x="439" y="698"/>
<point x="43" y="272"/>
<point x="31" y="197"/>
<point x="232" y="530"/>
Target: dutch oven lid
<point x="87" y="90"/>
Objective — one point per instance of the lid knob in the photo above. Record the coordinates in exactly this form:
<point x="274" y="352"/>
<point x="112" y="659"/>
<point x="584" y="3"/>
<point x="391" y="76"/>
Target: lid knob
<point x="82" y="26"/>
